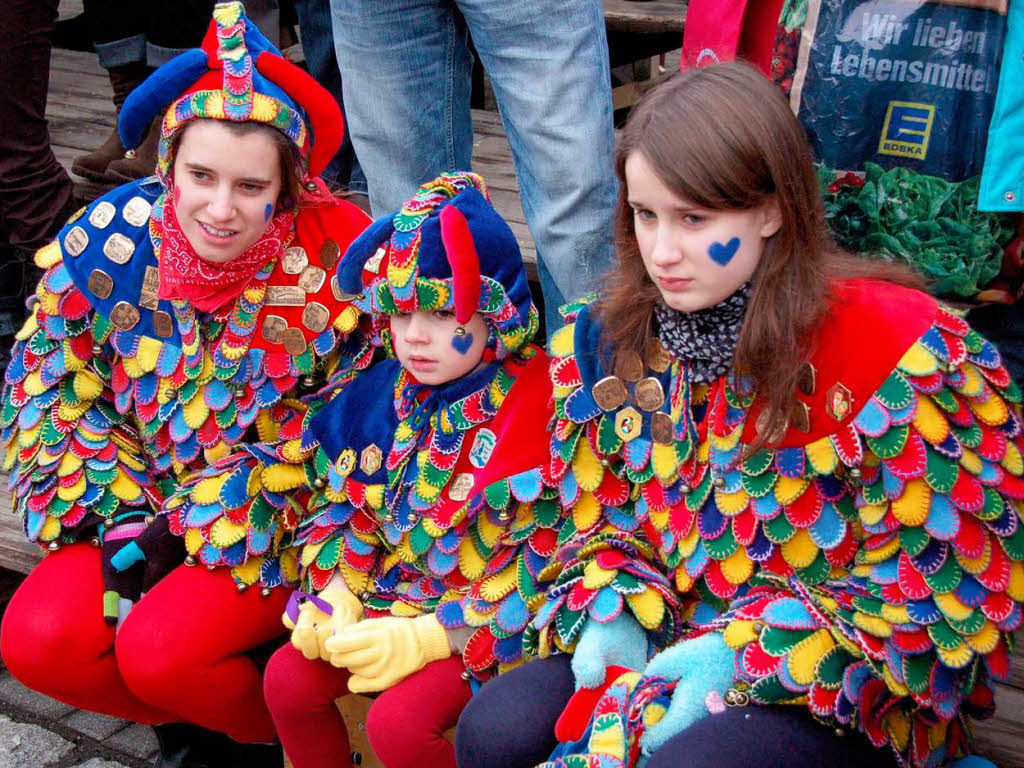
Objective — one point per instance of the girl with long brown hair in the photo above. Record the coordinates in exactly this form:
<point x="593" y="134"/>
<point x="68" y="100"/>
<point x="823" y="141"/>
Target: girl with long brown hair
<point x="821" y="460"/>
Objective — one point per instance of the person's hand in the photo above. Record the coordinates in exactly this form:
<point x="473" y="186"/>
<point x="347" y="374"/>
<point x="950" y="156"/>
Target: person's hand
<point x="621" y="642"/>
<point x="121" y="586"/>
<point x="314" y="624"/>
<point x="156" y="546"/>
<point x="380" y="652"/>
<point x="701" y="665"/>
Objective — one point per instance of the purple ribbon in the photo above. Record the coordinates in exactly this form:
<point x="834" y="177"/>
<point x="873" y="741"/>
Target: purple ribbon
<point x="299" y="597"/>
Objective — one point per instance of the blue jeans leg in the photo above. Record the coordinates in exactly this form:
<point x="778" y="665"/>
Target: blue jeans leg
<point x="406" y="67"/>
<point x="548" y="64"/>
<point x="318" y="44"/>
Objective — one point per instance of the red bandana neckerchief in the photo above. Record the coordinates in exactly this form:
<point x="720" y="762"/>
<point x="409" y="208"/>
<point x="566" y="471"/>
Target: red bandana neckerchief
<point x="205" y="285"/>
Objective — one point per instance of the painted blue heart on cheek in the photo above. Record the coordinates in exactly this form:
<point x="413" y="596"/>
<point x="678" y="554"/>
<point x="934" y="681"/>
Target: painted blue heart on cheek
<point x="462" y="343"/>
<point x="722" y="254"/>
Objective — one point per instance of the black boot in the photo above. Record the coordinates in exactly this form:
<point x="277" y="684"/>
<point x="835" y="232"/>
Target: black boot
<point x="257" y="756"/>
<point x="188" y="746"/>
<point x="123" y="80"/>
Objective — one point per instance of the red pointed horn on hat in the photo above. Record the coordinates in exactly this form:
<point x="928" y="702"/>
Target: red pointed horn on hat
<point x="465" y="263"/>
<point x="322" y="110"/>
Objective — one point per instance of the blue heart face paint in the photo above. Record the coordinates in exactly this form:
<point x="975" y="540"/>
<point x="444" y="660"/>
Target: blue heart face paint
<point x="722" y="254"/>
<point x="268" y="211"/>
<point x="462" y="344"/>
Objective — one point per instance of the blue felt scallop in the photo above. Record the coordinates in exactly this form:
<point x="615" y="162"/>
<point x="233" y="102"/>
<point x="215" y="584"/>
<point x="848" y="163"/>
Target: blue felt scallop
<point x="943" y="521"/>
<point x="789" y="613"/>
<point x="512" y="614"/>
<point x="829" y="529"/>
<point x="606" y="605"/>
<point x="923" y="611"/>
<point x="791" y="462"/>
<point x="526" y="486"/>
<point x="873" y="419"/>
<point x="441" y="562"/>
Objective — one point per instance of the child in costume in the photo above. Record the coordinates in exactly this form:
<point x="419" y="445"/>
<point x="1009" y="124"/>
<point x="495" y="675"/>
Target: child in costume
<point x="429" y="520"/>
<point x="828" y="459"/>
<point x="179" y="317"/>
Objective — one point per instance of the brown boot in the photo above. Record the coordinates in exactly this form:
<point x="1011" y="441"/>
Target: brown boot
<point x="139" y="162"/>
<point x="123" y="80"/>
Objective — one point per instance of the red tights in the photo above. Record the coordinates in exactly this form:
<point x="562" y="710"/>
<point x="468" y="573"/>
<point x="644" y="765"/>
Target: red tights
<point x="178" y="656"/>
<point x="405" y="726"/>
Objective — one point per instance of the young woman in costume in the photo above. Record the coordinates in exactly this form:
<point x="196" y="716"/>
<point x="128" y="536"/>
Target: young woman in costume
<point x="828" y="460"/>
<point x="179" y="317"/>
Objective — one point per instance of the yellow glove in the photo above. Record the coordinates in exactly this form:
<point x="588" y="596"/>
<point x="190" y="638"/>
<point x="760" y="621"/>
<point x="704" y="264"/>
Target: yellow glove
<point x="380" y="652"/>
<point x="314" y="626"/>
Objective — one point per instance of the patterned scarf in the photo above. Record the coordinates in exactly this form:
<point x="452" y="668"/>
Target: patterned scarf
<point x="706" y="338"/>
<point x="207" y="286"/>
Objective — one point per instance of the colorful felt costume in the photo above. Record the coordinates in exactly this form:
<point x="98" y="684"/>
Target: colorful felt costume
<point x="116" y="394"/>
<point x="431" y="499"/>
<point x="867" y="565"/>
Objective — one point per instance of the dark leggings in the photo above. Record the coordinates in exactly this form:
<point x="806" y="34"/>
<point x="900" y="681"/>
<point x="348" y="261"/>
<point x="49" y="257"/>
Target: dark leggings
<point x="510" y="724"/>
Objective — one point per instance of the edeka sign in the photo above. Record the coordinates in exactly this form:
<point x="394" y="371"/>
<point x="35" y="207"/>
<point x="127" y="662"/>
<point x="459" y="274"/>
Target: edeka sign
<point x="897" y="82"/>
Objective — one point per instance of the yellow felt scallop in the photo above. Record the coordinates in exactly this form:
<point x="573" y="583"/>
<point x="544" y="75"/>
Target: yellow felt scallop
<point x="475" y="618"/>
<point x="731" y="504"/>
<point x="292" y="451"/>
<point x="918" y="361"/>
<point x="132" y="368"/>
<point x="958" y="657"/>
<point x="283" y="477"/>
<point x="405" y="610"/>
<point x="648" y="607"/>
<point x="1013" y="461"/>
<point x="739" y="633"/>
<point x="895" y="614"/>
<point x="703" y="452"/>
<point x="663" y="459"/>
<point x="879" y="555"/>
<point x="586" y="467"/>
<point x="193" y="540"/>
<point x="33" y="384"/>
<point x="737" y="567"/>
<point x="803" y="658"/>
<point x="973" y="385"/>
<point x="788" y="489"/>
<point x="1015" y="587"/>
<point x="595" y="577"/>
<point x="992" y="410"/>
<point x="69" y="464"/>
<point x="911" y="508"/>
<point x="659" y="517"/>
<point x="51" y="529"/>
<point x="930" y="421"/>
<point x="951" y="607"/>
<point x="87" y="385"/>
<point x="971" y="462"/>
<point x="195" y="412"/>
<point x="726" y="442"/>
<point x="823" y="456"/>
<point x="800" y="550"/>
<point x="609" y="741"/>
<point x="684" y="582"/>
<point x="897" y="725"/>
<point x="586" y="512"/>
<point x="561" y="343"/>
<point x="489" y="532"/>
<point x="894" y="685"/>
<point x="28" y="329"/>
<point x="148" y="353"/>
<point x="224" y="533"/>
<point x="49" y="303"/>
<point x="435" y="531"/>
<point x="471" y="564"/>
<point x="975" y="565"/>
<point x="404" y="551"/>
<point x="289" y="560"/>
<point x="356" y="581"/>
<point x="50" y="253"/>
<point x="496" y="587"/>
<point x="72" y="413"/>
<point x="873" y="625"/>
<point x="207" y="490"/>
<point x="688" y="544"/>
<point x="375" y="496"/>
<point x="125" y="488"/>
<point x="985" y="639"/>
<point x="309" y="553"/>
<point x="249" y="571"/>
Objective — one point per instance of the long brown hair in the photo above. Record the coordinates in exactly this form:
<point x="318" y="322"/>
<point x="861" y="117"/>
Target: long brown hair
<point x="723" y="137"/>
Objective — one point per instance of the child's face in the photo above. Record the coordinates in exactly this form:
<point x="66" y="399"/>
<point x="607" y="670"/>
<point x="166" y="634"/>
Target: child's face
<point x="225" y="188"/>
<point x="697" y="257"/>
<point x="428" y="347"/>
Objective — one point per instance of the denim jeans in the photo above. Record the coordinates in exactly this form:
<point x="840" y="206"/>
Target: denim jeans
<point x="318" y="45"/>
<point x="407" y="73"/>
